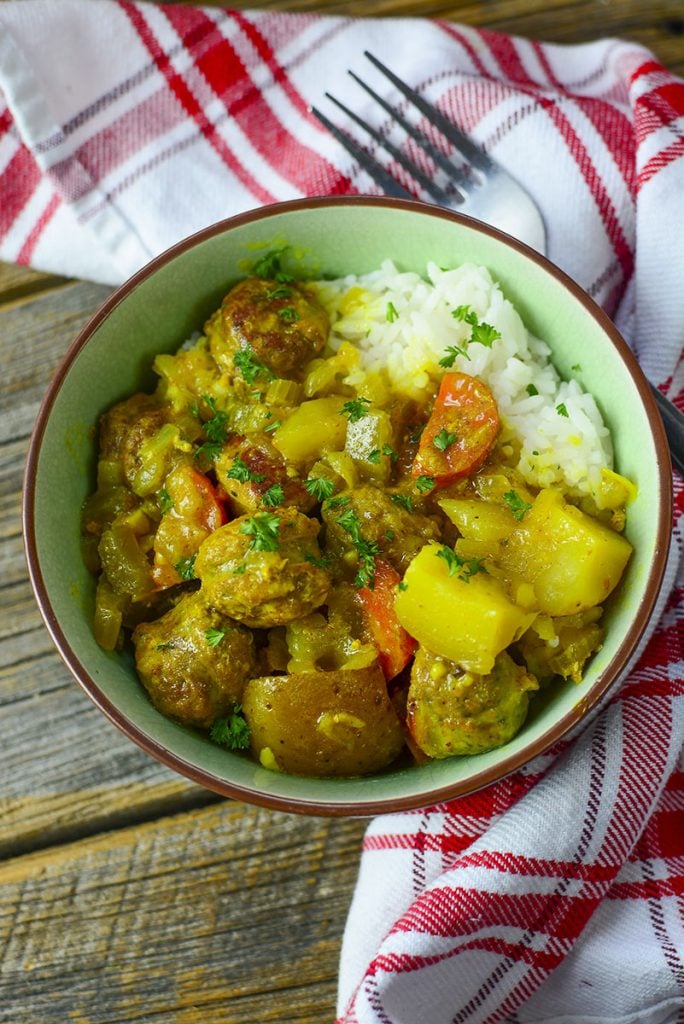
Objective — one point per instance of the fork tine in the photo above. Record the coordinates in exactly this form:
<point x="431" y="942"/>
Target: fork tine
<point x="377" y="172"/>
<point x="456" y="174"/>
<point x="472" y="153"/>
<point x="433" y="190"/>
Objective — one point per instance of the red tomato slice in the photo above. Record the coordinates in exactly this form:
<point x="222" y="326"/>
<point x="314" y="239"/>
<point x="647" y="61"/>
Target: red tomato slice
<point x="395" y="646"/>
<point x="461" y="431"/>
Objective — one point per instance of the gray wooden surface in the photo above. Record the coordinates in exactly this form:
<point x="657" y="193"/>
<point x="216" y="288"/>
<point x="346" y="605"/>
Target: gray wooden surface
<point x="127" y="894"/>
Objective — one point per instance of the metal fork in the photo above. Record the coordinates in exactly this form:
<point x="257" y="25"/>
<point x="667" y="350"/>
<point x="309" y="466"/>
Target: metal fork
<point x="466" y="180"/>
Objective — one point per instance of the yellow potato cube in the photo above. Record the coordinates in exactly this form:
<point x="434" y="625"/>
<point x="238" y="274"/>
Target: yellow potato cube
<point x="314" y="427"/>
<point x="479" y="520"/>
<point x="572" y="560"/>
<point x="466" y="618"/>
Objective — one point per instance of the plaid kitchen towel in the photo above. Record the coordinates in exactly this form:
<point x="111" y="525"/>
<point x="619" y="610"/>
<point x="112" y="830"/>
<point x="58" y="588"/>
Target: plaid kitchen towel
<point x="557" y="894"/>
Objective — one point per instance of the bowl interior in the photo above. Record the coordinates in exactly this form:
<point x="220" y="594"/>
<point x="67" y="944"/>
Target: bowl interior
<point x="164" y="305"/>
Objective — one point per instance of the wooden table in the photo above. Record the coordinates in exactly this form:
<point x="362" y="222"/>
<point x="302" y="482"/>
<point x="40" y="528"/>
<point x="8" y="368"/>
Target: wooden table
<point x="126" y="892"/>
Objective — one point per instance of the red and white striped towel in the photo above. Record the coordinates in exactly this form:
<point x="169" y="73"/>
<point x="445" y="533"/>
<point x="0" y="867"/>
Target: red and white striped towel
<point x="557" y="894"/>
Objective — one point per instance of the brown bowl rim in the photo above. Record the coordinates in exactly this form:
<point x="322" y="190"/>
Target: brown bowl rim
<point x="494" y="773"/>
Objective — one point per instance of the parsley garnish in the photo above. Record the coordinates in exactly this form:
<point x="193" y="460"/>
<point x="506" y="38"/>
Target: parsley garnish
<point x="272" y="426"/>
<point x="241" y="569"/>
<point x="516" y="504"/>
<point x="404" y="501"/>
<point x="241" y="471"/>
<point x="531" y="390"/>
<point x="289" y="315"/>
<point x="356" y="409"/>
<point x="424" y="484"/>
<point x="214" y="636"/>
<point x="391" y="314"/>
<point x="449" y="359"/>
<point x="562" y="410"/>
<point x="402" y="586"/>
<point x="374" y="456"/>
<point x="231" y="732"/>
<point x="482" y="333"/>
<point x="320" y="487"/>
<point x="273" y="496"/>
<point x="269" y="266"/>
<point x="281" y="292"/>
<point x="321" y="563"/>
<point x="165" y="501"/>
<point x="464" y="568"/>
<point x="186" y="567"/>
<point x="263" y="528"/>
<point x="210" y="449"/>
<point x="337" y="502"/>
<point x="164" y="647"/>
<point x="250" y="366"/>
<point x="444" y="439"/>
<point x="366" y="550"/>
<point x="388" y="450"/>
<point x="576" y="367"/>
<point x="216" y="428"/>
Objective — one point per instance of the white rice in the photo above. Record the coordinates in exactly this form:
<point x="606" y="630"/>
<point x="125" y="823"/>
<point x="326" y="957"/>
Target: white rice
<point x="570" y="451"/>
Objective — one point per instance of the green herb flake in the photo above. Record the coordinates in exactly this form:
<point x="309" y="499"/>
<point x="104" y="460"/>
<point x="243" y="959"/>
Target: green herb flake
<point x="484" y="334"/>
<point x="466" y="314"/>
<point x="531" y="390"/>
<point x="389" y="451"/>
<point x="164" y="647"/>
<point x="535" y="452"/>
<point x="425" y="484"/>
<point x="402" y="586"/>
<point x="241" y="471"/>
<point x="186" y="567"/>
<point x="272" y="426"/>
<point x="214" y="636"/>
<point x="165" y="501"/>
<point x="444" y="439"/>
<point x="389" y="535"/>
<point x="576" y="368"/>
<point x="209" y="450"/>
<point x="289" y="315"/>
<point x="404" y="501"/>
<point x="516" y="504"/>
<point x="320" y="563"/>
<point x="561" y="409"/>
<point x="250" y="366"/>
<point x="463" y="568"/>
<point x="391" y="315"/>
<point x="281" y="292"/>
<point x="274" y="496"/>
<point x="269" y="266"/>
<point x="264" y="529"/>
<point x="366" y="550"/>
<point x="452" y="351"/>
<point x="355" y="409"/>
<point x="319" y="487"/>
<point x="231" y="732"/>
<point x="374" y="456"/>
<point x="338" y="502"/>
<point x="241" y="570"/>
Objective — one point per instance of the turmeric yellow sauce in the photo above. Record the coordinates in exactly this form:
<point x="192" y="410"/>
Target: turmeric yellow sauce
<point x="328" y="574"/>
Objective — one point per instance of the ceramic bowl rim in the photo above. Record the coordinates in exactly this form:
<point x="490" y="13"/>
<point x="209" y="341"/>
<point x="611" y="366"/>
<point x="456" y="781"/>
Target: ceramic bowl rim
<point x="567" y="723"/>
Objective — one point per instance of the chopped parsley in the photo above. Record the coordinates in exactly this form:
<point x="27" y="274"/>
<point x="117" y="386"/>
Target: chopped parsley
<point x="164" y="647"/>
<point x="424" y="484"/>
<point x="319" y="487"/>
<point x="186" y="567"/>
<point x="402" y="586"/>
<point x="355" y="409"/>
<point x="338" y="502"/>
<point x="481" y="333"/>
<point x="444" y="439"/>
<point x="215" y="428"/>
<point x="374" y="456"/>
<point x="464" y="568"/>
<point x="269" y="266"/>
<point x="516" y="504"/>
<point x="561" y="409"/>
<point x="165" y="501"/>
<point x="241" y="570"/>
<point x="264" y="528"/>
<point x="214" y="636"/>
<point x="274" y="496"/>
<point x="531" y="390"/>
<point x="232" y="732"/>
<point x="576" y="367"/>
<point x="321" y="563"/>
<point x="281" y="292"/>
<point x="452" y="351"/>
<point x="272" y="426"/>
<point x="250" y="366"/>
<point x="389" y="451"/>
<point x="210" y="450"/>
<point x="366" y="550"/>
<point x="289" y="314"/>
<point x="391" y="314"/>
<point x="241" y="471"/>
<point x="404" y="501"/>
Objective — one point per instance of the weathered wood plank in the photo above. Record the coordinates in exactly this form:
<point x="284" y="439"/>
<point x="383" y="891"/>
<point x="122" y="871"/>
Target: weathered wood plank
<point x="220" y="915"/>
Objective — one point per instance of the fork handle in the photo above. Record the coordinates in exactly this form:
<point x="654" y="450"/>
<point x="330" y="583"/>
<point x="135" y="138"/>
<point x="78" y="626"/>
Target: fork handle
<point x="673" y="421"/>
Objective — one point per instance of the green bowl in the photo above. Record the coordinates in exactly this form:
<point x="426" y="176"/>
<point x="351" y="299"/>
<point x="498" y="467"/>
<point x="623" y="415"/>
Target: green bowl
<point x="162" y="305"/>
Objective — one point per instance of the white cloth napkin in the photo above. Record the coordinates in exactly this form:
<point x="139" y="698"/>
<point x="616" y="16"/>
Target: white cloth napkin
<point x="554" y="896"/>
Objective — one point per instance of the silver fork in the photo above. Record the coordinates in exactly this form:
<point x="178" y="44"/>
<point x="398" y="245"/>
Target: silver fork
<point x="466" y="180"/>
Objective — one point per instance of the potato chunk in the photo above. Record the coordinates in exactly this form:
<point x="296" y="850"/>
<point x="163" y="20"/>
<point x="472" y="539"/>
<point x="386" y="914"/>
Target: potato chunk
<point x="467" y="619"/>
<point x="323" y="724"/>
<point x="572" y="561"/>
<point x="314" y="427"/>
<point x="450" y="711"/>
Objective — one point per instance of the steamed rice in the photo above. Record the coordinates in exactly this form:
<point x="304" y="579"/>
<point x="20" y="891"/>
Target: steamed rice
<point x="573" y="451"/>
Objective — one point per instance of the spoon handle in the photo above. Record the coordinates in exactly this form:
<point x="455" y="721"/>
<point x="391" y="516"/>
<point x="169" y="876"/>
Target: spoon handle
<point x="673" y="421"/>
